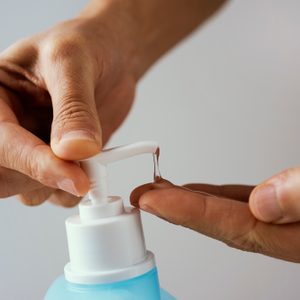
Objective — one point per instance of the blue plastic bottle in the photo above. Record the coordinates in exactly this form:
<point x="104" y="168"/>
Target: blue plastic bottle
<point x="108" y="257"/>
<point x="144" y="287"/>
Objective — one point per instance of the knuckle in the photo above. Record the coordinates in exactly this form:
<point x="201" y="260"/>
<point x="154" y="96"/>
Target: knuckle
<point x="23" y="53"/>
<point x="249" y="241"/>
<point x="62" y="47"/>
<point x="72" y="112"/>
<point x="246" y="242"/>
<point x="38" y="170"/>
<point x="31" y="167"/>
<point x="11" y="152"/>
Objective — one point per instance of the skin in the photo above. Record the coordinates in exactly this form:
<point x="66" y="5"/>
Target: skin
<point x="220" y="212"/>
<point x="70" y="75"/>
<point x="64" y="92"/>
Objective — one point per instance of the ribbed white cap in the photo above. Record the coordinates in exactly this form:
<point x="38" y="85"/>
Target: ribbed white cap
<point x="107" y="249"/>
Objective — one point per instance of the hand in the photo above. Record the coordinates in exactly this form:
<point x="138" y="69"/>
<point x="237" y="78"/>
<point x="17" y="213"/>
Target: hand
<point x="84" y="72"/>
<point x="79" y="74"/>
<point x="223" y="212"/>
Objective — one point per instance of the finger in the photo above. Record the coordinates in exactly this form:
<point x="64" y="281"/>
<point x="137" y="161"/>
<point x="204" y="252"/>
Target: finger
<point x="142" y="189"/>
<point x="22" y="151"/>
<point x="23" y="54"/>
<point x="277" y="200"/>
<point x="57" y="197"/>
<point x="6" y="112"/>
<point x="36" y="197"/>
<point x="76" y="131"/>
<point x="236" y="192"/>
<point x="64" y="199"/>
<point x="13" y="182"/>
<point x="220" y="218"/>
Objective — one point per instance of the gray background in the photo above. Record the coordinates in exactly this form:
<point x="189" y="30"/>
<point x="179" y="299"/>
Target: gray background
<point x="225" y="108"/>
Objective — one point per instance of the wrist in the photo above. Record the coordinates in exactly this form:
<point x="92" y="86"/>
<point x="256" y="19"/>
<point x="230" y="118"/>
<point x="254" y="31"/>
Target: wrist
<point x="118" y="19"/>
<point x="144" y="30"/>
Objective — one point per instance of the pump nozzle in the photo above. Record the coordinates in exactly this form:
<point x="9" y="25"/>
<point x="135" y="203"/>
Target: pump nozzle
<point x="95" y="168"/>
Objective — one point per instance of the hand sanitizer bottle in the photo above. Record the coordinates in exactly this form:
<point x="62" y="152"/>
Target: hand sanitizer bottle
<point x="108" y="257"/>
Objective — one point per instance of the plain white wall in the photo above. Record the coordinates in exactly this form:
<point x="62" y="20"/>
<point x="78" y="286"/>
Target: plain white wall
<point x="225" y="108"/>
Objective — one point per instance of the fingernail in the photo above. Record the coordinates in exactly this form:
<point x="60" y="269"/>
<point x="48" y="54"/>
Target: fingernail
<point x="67" y="185"/>
<point x="78" y="135"/>
<point x="266" y="203"/>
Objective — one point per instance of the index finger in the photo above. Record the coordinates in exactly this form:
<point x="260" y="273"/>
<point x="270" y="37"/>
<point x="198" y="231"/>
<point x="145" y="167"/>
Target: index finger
<point x="22" y="151"/>
<point x="233" y="191"/>
<point x="220" y="218"/>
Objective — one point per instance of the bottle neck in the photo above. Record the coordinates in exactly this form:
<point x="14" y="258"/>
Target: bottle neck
<point x="89" y="211"/>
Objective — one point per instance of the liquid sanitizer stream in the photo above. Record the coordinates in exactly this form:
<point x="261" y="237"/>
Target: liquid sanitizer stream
<point x="108" y="257"/>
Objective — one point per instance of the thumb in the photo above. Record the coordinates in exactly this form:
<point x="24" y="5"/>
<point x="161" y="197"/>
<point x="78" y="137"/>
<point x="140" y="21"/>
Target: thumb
<point x="277" y="200"/>
<point x="76" y="131"/>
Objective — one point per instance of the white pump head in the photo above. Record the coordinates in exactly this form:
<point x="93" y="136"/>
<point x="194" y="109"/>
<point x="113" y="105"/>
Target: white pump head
<point x="95" y="167"/>
<point x="106" y="241"/>
<point x="99" y="204"/>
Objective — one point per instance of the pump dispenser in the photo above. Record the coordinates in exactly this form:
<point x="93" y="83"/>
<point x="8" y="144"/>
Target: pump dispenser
<point x="108" y="256"/>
